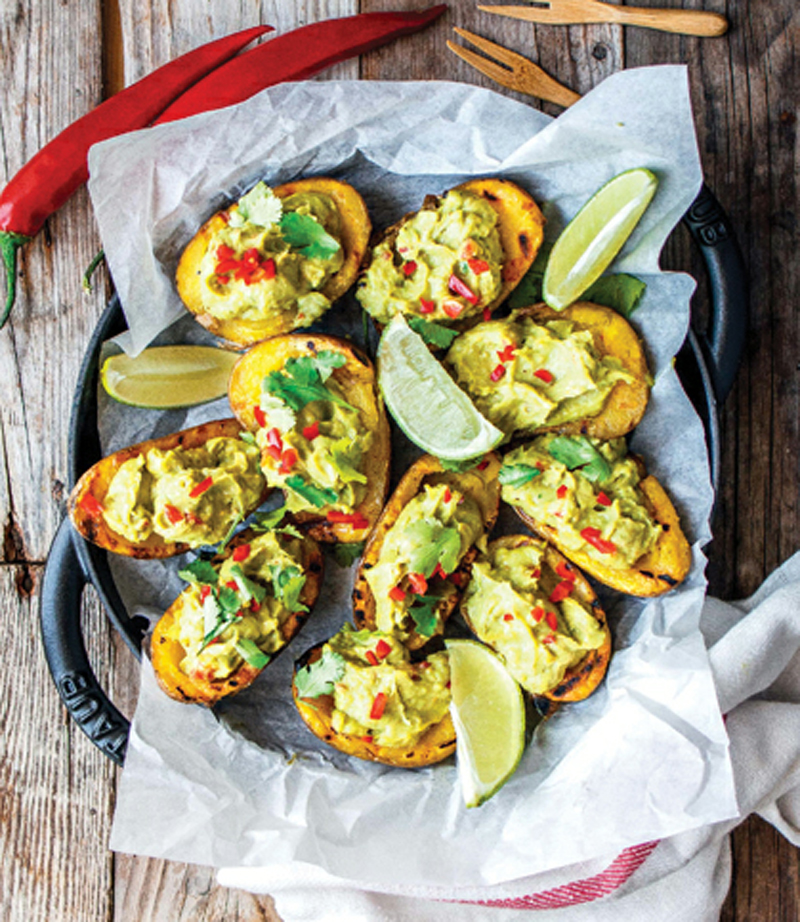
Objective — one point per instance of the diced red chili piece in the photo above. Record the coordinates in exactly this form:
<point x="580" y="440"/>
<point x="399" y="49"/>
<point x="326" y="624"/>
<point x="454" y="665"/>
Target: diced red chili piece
<point x="254" y="605"/>
<point x="371" y="658"/>
<point x="536" y="573"/>
<point x="409" y="268"/>
<point x="260" y="416"/>
<point x="418" y="583"/>
<point x="223" y="279"/>
<point x="201" y="487"/>
<point x="564" y="570"/>
<point x="251" y="257"/>
<point x="426" y="306"/>
<point x="424" y="664"/>
<point x="397" y="594"/>
<point x="205" y="592"/>
<point x="224" y="266"/>
<point x="562" y="491"/>
<point x="91" y="505"/>
<point x="552" y="620"/>
<point x="439" y="571"/>
<point x="537" y="614"/>
<point x="478" y="266"/>
<point x="468" y="249"/>
<point x="173" y="515"/>
<point x="483" y="465"/>
<point x="508" y="617"/>
<point x="378" y="707"/>
<point x="507" y="353"/>
<point x="274" y="438"/>
<point x="452" y="308"/>
<point x="447" y="495"/>
<point x="497" y="373"/>
<point x="366" y="739"/>
<point x="269" y="268"/>
<point x="225" y="252"/>
<point x="461" y="289"/>
<point x="288" y="461"/>
<point x="240" y="553"/>
<point x="232" y="584"/>
<point x="383" y="649"/>
<point x="311" y="432"/>
<point x="255" y="275"/>
<point x="603" y="499"/>
<point x="487" y="314"/>
<point x="550" y="638"/>
<point x="356" y="519"/>
<point x="562" y="590"/>
<point x="592" y="536"/>
<point x="543" y="375"/>
<point x="274" y="452"/>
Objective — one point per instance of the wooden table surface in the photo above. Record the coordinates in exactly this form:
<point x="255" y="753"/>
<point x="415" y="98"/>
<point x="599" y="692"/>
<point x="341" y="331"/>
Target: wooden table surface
<point x="59" y="60"/>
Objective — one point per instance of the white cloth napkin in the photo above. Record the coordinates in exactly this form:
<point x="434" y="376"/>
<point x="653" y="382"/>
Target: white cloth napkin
<point x="753" y="649"/>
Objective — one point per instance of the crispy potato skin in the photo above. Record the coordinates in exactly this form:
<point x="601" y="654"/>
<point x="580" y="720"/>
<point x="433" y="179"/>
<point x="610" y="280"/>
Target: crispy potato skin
<point x="96" y="480"/>
<point x="356" y="229"/>
<point x="582" y="679"/>
<point x="166" y="654"/>
<point x="658" y="571"/>
<point x="613" y="336"/>
<point x="358" y="381"/>
<point x="483" y="486"/>
<point x="436" y="744"/>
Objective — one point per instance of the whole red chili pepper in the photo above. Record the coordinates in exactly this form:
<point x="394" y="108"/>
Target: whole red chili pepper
<point x="297" y="55"/>
<point x="50" y="177"/>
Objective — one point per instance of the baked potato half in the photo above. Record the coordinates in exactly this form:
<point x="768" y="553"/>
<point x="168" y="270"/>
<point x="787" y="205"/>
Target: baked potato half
<point x="418" y="557"/>
<point x="587" y="374"/>
<point x="202" y="481"/>
<point x="542" y="617"/>
<point x="315" y="430"/>
<point x="199" y="656"/>
<point x="374" y="725"/>
<point x="615" y="522"/>
<point x="501" y="231"/>
<point x="251" y="290"/>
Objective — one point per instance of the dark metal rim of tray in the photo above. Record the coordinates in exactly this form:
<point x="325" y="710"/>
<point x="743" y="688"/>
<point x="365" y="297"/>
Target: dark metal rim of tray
<point x="707" y="365"/>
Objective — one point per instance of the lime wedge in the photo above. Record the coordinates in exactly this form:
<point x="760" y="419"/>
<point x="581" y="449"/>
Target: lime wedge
<point x="167" y="377"/>
<point x="424" y="400"/>
<point x="591" y="240"/>
<point x="489" y="716"/>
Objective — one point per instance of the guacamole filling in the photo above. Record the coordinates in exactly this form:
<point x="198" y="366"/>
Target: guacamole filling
<point x="588" y="491"/>
<point x="413" y="576"/>
<point x="233" y="612"/>
<point x="313" y="442"/>
<point x="524" y="375"/>
<point x="444" y="264"/>
<point x="379" y="695"/>
<point x="272" y="258"/>
<point x="189" y="496"/>
<point x="509" y="604"/>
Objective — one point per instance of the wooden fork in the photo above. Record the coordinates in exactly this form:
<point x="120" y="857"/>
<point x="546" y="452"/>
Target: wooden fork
<point x="518" y="74"/>
<point x="573" y="12"/>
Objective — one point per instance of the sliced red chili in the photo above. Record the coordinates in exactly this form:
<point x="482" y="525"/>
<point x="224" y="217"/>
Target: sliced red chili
<point x="461" y="289"/>
<point x="397" y="594"/>
<point x="508" y="617"/>
<point x="497" y="372"/>
<point x="409" y="268"/>
<point x="544" y="375"/>
<point x="356" y="519"/>
<point x="552" y="620"/>
<point x="201" y="487"/>
<point x="563" y="569"/>
<point x="507" y="353"/>
<point x="561" y="591"/>
<point x="478" y="266"/>
<point x="311" y="432"/>
<point x="173" y="514"/>
<point x="260" y="416"/>
<point x="592" y="536"/>
<point x="418" y="583"/>
<point x="439" y="571"/>
<point x="288" y="461"/>
<point x="603" y="499"/>
<point x="378" y="706"/>
<point x="232" y="584"/>
<point x="371" y="658"/>
<point x="426" y="306"/>
<point x="452" y="308"/>
<point x="240" y="553"/>
<point x="383" y="649"/>
<point x="483" y="465"/>
<point x="225" y="252"/>
<point x="536" y="573"/>
<point x="274" y="439"/>
<point x="91" y="506"/>
<point x="205" y="592"/>
<point x="537" y="614"/>
<point x="447" y="495"/>
<point x="270" y="269"/>
<point x="562" y="491"/>
<point x="550" y="638"/>
<point x="487" y="314"/>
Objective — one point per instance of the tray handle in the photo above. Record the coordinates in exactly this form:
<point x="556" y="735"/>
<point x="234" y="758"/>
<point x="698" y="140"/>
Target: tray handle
<point x="65" y="651"/>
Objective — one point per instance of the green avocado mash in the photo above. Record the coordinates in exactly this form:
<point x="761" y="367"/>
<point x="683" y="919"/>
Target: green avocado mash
<point x="273" y="256"/>
<point x="314" y="443"/>
<point x="422" y="548"/>
<point x="191" y="496"/>
<point x="233" y="612"/>
<point x="415" y="696"/>
<point x="508" y="607"/>
<point x="592" y="501"/>
<point x="524" y="375"/>
<point x="445" y="263"/>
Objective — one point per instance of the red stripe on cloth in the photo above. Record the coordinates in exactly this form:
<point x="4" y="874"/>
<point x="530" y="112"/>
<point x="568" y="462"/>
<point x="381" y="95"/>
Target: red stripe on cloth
<point x="579" y="891"/>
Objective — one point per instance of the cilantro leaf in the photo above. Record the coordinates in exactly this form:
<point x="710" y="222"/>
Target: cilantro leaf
<point x="317" y="496"/>
<point x="619" y="291"/>
<point x="319" y="678"/>
<point x="251" y="653"/>
<point x="288" y="583"/>
<point x="434" y="334"/>
<point x="433" y="543"/>
<point x="228" y="600"/>
<point x="234" y="525"/>
<point x="248" y="589"/>
<point x="424" y="614"/>
<point x="346" y="555"/>
<point x="300" y="383"/>
<point x="308" y="236"/>
<point x="515" y="475"/>
<point x="326" y="361"/>
<point x="199" y="572"/>
<point x="578" y="452"/>
<point x="267" y="521"/>
<point x="258" y="206"/>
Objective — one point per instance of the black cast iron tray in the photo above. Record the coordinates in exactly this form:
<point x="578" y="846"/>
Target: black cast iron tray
<point x="707" y="365"/>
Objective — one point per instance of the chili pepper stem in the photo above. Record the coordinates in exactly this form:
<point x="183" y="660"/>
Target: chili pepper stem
<point x="9" y="244"/>
<point x="86" y="281"/>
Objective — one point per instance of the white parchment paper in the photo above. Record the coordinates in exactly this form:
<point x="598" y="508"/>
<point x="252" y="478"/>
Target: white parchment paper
<point x="644" y="757"/>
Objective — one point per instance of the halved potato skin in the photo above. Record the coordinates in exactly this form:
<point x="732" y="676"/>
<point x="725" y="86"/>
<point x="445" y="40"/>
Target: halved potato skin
<point x="656" y="572"/>
<point x="582" y="679"/>
<point x="96" y="480"/>
<point x="166" y="653"/>
<point x="481" y="485"/>
<point x="615" y="337"/>
<point x="436" y="744"/>
<point x="355" y="232"/>
<point x="357" y="379"/>
<point x="520" y="225"/>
